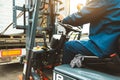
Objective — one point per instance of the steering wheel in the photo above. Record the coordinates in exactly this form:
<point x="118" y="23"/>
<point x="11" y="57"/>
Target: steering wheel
<point x="69" y="27"/>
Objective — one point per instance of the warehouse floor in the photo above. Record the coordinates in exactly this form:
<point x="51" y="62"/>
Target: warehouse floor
<point x="10" y="72"/>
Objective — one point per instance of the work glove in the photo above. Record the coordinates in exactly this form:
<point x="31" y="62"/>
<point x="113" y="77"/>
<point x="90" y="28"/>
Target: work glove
<point x="77" y="61"/>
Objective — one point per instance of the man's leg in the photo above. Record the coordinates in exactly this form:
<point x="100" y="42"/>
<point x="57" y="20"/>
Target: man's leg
<point x="71" y="48"/>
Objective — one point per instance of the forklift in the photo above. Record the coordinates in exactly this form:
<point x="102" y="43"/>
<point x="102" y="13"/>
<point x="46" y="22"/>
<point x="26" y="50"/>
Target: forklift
<point x="43" y="60"/>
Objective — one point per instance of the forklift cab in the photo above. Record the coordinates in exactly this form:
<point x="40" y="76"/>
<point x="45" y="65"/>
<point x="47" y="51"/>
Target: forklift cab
<point x="65" y="72"/>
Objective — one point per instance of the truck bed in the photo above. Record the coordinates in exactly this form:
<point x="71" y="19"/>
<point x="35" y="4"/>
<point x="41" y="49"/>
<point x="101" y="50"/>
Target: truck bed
<point x="10" y="41"/>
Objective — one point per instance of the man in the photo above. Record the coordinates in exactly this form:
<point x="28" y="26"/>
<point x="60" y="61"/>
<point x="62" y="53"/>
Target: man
<point x="104" y="19"/>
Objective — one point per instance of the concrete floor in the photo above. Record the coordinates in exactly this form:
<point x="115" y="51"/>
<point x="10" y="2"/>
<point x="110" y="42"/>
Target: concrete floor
<point x="10" y="72"/>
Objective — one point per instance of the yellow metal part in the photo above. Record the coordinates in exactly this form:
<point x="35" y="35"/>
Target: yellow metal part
<point x="39" y="48"/>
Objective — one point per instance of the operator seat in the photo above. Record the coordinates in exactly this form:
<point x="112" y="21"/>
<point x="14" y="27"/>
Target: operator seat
<point x="115" y="58"/>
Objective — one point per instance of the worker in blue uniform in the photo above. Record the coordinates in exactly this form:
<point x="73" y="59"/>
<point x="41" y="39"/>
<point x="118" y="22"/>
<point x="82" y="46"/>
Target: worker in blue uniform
<point x="104" y="19"/>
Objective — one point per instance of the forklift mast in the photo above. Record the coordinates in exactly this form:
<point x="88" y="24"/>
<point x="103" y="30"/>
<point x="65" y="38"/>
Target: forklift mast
<point x="33" y="13"/>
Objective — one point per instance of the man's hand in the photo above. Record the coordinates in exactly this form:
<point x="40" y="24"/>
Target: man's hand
<point x="77" y="61"/>
<point x="60" y="17"/>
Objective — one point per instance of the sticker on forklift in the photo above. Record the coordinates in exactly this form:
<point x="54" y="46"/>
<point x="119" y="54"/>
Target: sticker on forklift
<point x="59" y="77"/>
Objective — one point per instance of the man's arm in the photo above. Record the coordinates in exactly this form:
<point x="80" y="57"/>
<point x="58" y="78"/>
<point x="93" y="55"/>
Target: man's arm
<point x="93" y="10"/>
